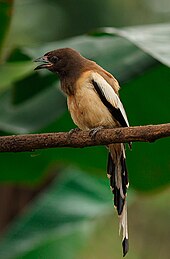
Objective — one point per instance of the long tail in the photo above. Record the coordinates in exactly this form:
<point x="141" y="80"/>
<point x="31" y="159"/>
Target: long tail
<point x="118" y="175"/>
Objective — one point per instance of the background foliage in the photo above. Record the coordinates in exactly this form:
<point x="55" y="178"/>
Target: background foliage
<point x="59" y="222"/>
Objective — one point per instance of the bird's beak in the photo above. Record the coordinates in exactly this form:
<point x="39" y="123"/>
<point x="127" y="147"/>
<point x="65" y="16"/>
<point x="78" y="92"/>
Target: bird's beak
<point x="45" y="63"/>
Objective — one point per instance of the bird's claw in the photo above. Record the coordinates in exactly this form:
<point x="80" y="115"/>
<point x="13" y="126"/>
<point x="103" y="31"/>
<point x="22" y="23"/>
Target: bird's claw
<point x="94" y="131"/>
<point x="75" y="130"/>
<point x="71" y="132"/>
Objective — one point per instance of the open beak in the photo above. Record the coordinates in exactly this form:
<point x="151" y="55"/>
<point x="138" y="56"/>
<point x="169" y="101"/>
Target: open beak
<point x="45" y="63"/>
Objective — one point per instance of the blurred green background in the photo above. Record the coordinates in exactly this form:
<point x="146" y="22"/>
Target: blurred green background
<point x="57" y="203"/>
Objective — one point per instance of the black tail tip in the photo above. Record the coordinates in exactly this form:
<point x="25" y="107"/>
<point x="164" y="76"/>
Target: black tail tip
<point x="125" y="245"/>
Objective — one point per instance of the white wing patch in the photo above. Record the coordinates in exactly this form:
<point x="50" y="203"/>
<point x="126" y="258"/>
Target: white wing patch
<point x="109" y="94"/>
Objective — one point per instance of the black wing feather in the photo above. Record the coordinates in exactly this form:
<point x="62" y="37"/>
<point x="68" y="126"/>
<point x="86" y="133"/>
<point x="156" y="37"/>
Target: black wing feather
<point x="115" y="112"/>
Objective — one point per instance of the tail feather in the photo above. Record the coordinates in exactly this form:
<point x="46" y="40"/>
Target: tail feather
<point x="118" y="175"/>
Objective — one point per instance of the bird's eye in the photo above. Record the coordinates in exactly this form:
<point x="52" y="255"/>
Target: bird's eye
<point x="54" y="59"/>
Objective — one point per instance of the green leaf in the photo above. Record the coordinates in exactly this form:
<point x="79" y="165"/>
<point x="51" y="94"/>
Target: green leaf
<point x="13" y="71"/>
<point x="32" y="114"/>
<point x="152" y="39"/>
<point x="58" y="222"/>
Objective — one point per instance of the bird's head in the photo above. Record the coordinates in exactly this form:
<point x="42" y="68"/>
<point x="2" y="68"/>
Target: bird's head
<point x="61" y="61"/>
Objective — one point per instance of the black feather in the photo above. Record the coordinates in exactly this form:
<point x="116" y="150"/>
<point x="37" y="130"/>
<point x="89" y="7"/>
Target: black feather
<point x="125" y="245"/>
<point x="118" y="200"/>
<point x="115" y="112"/>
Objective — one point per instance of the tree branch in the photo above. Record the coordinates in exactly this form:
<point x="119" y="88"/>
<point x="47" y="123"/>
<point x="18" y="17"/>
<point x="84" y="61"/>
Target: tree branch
<point x="30" y="142"/>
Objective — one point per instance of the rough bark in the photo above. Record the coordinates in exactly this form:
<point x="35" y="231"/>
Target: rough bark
<point x="80" y="139"/>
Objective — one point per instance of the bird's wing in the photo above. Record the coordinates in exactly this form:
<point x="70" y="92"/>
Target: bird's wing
<point x="110" y="99"/>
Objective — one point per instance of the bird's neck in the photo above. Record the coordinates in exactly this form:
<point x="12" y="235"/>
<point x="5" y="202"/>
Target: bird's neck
<point x="70" y="75"/>
<point x="68" y="85"/>
<point x="68" y="80"/>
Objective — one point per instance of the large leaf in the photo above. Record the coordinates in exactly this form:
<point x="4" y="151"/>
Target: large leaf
<point x="32" y="114"/>
<point x="153" y="39"/>
<point x="11" y="72"/>
<point x="57" y="223"/>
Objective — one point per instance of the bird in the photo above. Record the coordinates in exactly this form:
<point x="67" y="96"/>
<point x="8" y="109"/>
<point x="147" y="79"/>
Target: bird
<point x="93" y="102"/>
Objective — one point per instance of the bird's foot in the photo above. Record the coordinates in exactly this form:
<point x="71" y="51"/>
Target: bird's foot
<point x="73" y="131"/>
<point x="94" y="131"/>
